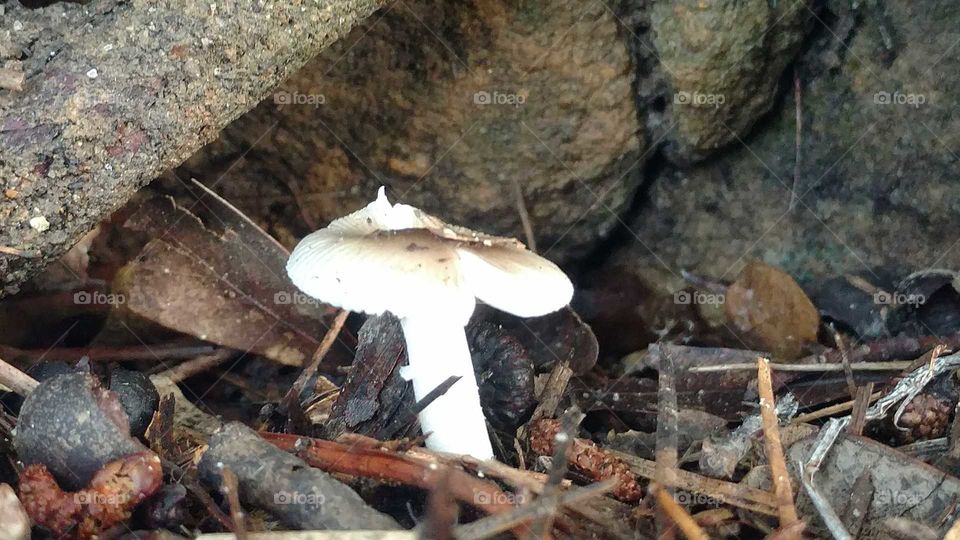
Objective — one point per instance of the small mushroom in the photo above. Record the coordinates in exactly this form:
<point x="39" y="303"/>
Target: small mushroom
<point x="397" y="258"/>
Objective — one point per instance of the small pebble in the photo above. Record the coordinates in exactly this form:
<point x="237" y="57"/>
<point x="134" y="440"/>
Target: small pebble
<point x="17" y="26"/>
<point x="93" y="73"/>
<point x="39" y="223"/>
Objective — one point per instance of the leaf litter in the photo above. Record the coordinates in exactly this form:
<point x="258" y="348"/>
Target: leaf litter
<point x="723" y="423"/>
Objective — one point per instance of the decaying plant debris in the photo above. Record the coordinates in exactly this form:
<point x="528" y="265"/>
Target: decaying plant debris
<point x="681" y="440"/>
<point x="166" y="377"/>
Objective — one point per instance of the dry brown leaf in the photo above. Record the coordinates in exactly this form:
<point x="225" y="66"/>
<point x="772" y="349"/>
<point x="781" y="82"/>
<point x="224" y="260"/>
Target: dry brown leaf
<point x="222" y="281"/>
<point x="771" y="312"/>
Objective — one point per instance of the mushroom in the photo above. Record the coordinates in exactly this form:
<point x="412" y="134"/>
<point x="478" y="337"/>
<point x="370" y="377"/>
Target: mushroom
<point x="397" y="258"/>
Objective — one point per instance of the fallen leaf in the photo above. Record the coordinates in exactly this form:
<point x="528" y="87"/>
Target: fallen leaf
<point x="226" y="286"/>
<point x="771" y="312"/>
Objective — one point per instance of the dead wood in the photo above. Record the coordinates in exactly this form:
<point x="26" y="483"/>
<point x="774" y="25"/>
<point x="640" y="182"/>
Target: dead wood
<point x="117" y="92"/>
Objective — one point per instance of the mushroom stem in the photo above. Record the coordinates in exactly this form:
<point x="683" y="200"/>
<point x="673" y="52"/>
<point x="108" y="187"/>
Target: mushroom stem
<point x="437" y="349"/>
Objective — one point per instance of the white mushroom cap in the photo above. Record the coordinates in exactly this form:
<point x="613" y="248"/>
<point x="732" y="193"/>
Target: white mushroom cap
<point x="397" y="258"/>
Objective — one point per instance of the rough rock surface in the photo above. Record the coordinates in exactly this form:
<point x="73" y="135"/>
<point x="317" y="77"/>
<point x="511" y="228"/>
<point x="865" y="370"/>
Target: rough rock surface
<point x="878" y="175"/>
<point x="723" y="61"/>
<point x="451" y="105"/>
<point x="117" y="92"/>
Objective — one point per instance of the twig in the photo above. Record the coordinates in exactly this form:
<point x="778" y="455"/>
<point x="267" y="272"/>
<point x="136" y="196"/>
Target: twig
<point x="17" y="252"/>
<point x="741" y="496"/>
<point x="231" y="489"/>
<point x="677" y="514"/>
<point x="771" y="436"/>
<point x="441" y="514"/>
<point x="885" y="349"/>
<point x="541" y="508"/>
<point x="858" y="366"/>
<point x="828" y="434"/>
<point x="293" y="395"/>
<point x="954" y="532"/>
<point x="861" y="402"/>
<point x="195" y="366"/>
<point x="553" y="390"/>
<point x="831" y="410"/>
<point x="369" y="462"/>
<point x="549" y="399"/>
<point x="598" y="512"/>
<point x="562" y="442"/>
<point x="797" y="95"/>
<point x="845" y="362"/>
<point x="410" y="416"/>
<point x="708" y="284"/>
<point x="16" y="380"/>
<point x="524" y="216"/>
<point x="170" y="351"/>
<point x="666" y="451"/>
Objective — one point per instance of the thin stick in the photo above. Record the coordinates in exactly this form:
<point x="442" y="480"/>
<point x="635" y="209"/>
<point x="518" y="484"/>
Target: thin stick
<point x="814" y="368"/>
<point x="549" y="399"/>
<point x="195" y="366"/>
<point x="677" y="514"/>
<point x="524" y="216"/>
<point x="16" y="252"/>
<point x="666" y="451"/>
<point x="406" y="419"/>
<point x="741" y="496"/>
<point x="231" y="489"/>
<point x="16" y="380"/>
<point x="771" y="438"/>
<point x="847" y="372"/>
<point x="497" y="523"/>
<point x="558" y="469"/>
<point x="328" y="339"/>
<point x="831" y="410"/>
<point x="954" y="532"/>
<point x="797" y="94"/>
<point x="861" y="402"/>
<point x="127" y="353"/>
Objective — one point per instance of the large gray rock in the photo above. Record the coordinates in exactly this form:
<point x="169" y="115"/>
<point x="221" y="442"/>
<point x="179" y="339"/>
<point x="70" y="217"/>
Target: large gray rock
<point x="450" y="105"/>
<point x="878" y="177"/>
<point x="723" y="60"/>
<point x="116" y="92"/>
